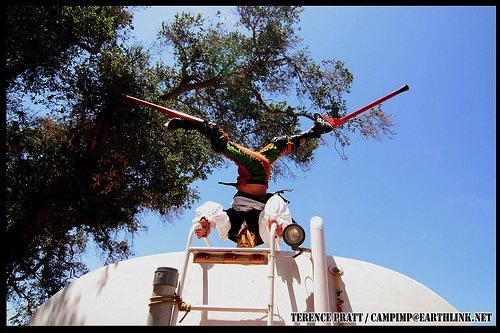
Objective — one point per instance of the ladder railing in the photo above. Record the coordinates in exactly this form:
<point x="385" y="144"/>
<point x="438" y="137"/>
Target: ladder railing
<point x="205" y="307"/>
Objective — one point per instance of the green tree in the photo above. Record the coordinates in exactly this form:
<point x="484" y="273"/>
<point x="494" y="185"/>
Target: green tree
<point x="83" y="164"/>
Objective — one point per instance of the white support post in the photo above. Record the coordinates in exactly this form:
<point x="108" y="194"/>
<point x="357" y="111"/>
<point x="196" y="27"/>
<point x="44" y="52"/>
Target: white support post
<point x="320" y="273"/>
<point x="272" y="244"/>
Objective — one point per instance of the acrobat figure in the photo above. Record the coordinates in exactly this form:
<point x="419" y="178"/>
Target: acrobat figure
<point x="253" y="210"/>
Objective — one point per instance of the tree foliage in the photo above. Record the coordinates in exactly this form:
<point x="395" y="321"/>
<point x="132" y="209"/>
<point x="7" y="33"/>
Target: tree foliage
<point x="83" y="164"/>
<point x="258" y="80"/>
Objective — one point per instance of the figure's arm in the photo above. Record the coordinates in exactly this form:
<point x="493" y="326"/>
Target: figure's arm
<point x="212" y="215"/>
<point x="277" y="210"/>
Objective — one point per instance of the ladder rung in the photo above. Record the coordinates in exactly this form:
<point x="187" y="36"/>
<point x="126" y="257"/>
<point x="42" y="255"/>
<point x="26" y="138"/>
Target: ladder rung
<point x="227" y="308"/>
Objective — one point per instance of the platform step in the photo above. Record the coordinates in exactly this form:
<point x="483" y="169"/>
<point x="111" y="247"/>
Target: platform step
<point x="245" y="256"/>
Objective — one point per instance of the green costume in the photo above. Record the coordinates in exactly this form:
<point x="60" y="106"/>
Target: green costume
<point x="254" y="167"/>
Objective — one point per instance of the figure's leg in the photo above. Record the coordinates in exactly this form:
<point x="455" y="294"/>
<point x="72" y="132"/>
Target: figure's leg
<point x="284" y="144"/>
<point x="319" y="128"/>
<point x="220" y="141"/>
<point x="252" y="218"/>
<point x="237" y="218"/>
<point x="211" y="131"/>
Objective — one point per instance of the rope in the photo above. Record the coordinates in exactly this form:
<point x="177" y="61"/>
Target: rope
<point x="183" y="306"/>
<point x="161" y="299"/>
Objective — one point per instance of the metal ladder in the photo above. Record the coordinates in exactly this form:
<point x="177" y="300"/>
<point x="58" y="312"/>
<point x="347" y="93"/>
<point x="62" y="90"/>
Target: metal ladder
<point x="224" y="255"/>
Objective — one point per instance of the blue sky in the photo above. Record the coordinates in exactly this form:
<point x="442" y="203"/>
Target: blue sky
<point x="421" y="203"/>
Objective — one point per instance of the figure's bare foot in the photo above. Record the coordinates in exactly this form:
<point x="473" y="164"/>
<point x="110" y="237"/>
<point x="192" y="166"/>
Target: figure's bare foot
<point x="279" y="228"/>
<point x="204" y="231"/>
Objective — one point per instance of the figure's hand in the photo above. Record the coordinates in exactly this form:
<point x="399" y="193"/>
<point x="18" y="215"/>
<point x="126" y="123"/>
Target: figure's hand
<point x="204" y="231"/>
<point x="279" y="228"/>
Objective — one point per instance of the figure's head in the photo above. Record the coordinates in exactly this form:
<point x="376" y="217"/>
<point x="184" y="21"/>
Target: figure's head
<point x="246" y="239"/>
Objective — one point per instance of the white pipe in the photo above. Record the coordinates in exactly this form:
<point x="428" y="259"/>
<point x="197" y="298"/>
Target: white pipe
<point x="320" y="273"/>
<point x="184" y="269"/>
<point x="164" y="284"/>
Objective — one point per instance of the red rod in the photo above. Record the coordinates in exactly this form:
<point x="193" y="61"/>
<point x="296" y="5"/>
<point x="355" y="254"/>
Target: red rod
<point x="169" y="112"/>
<point x="340" y="121"/>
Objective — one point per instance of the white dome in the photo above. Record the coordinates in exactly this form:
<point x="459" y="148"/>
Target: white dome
<point x="119" y="294"/>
